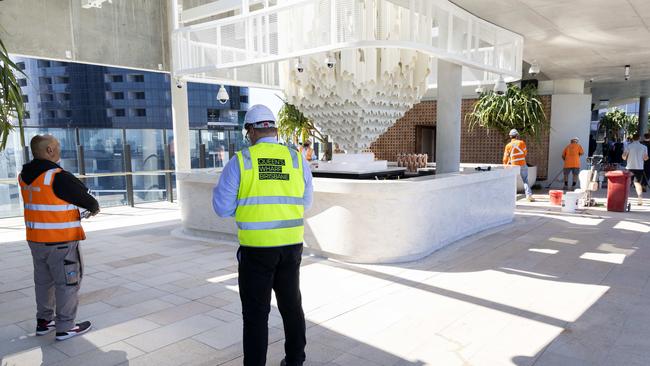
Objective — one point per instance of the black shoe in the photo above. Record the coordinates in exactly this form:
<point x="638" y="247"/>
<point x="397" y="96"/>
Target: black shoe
<point x="284" y="363"/>
<point x="80" y="328"/>
<point x="44" y="327"/>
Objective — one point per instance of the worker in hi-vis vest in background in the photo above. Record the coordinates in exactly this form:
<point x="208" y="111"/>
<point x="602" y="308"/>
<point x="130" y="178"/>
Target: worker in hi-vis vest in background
<point x="52" y="198"/>
<point x="515" y="154"/>
<point x="267" y="187"/>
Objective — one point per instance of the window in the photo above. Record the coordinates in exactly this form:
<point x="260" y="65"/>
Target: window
<point x="43" y="63"/>
<point x="63" y="96"/>
<point x="25" y="98"/>
<point x="117" y="78"/>
<point x="67" y="113"/>
<point x="46" y="97"/>
<point x="118" y="95"/>
<point x="45" y="80"/>
<point x="27" y="115"/>
<point x="51" y="114"/>
<point x="243" y="99"/>
<point x="21" y="65"/>
<point x="136" y="78"/>
<point x="140" y="112"/>
<point x="120" y="113"/>
<point x="22" y="82"/>
<point x="138" y="95"/>
<point x="213" y="115"/>
<point x="61" y="80"/>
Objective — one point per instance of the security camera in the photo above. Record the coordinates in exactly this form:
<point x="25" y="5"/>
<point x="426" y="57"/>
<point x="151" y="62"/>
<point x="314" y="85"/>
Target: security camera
<point x="179" y="84"/>
<point x="627" y="72"/>
<point x="534" y="68"/>
<point x="222" y="95"/>
<point x="500" y="87"/>
<point x="330" y="62"/>
<point x="479" y="90"/>
<point x="299" y="66"/>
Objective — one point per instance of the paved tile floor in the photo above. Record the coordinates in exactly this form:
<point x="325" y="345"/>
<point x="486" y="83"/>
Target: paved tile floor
<point x="549" y="289"/>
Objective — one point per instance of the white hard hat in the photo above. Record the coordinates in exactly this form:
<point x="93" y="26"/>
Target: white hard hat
<point x="259" y="116"/>
<point x="575" y="138"/>
<point x="513" y="132"/>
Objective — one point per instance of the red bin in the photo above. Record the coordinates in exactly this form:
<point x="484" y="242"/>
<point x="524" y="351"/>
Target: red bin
<point x="618" y="190"/>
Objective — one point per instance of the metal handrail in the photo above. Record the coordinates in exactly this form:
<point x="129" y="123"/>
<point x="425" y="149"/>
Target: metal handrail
<point x="14" y="181"/>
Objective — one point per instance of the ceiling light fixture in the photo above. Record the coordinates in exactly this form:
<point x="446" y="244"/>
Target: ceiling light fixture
<point x="95" y="4"/>
<point x="627" y="72"/>
<point x="534" y="68"/>
<point x="500" y="86"/>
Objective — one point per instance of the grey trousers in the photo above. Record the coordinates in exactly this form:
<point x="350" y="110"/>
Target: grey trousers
<point x="57" y="277"/>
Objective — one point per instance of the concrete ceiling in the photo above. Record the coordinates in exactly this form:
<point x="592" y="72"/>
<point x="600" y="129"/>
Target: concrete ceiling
<point x="587" y="39"/>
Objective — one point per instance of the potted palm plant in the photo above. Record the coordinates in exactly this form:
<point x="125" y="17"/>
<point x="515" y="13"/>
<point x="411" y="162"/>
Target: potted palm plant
<point x="518" y="108"/>
<point x="294" y="126"/>
<point x="11" y="99"/>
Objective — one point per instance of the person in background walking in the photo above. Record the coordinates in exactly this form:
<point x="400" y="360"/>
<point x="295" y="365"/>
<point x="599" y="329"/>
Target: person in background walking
<point x="646" y="164"/>
<point x="515" y="154"/>
<point x="571" y="156"/>
<point x="267" y="187"/>
<point x="635" y="155"/>
<point x="593" y="145"/>
<point x="52" y="196"/>
<point x="306" y="150"/>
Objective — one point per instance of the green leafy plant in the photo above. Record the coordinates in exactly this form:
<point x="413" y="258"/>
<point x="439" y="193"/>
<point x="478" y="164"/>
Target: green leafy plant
<point x="11" y="98"/>
<point x="294" y="126"/>
<point x="616" y="121"/>
<point x="517" y="108"/>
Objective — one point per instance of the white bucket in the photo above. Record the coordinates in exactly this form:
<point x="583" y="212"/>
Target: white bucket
<point x="571" y="201"/>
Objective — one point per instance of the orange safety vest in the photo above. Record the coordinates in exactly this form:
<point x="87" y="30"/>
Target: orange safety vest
<point x="48" y="218"/>
<point x="308" y="154"/>
<point x="515" y="153"/>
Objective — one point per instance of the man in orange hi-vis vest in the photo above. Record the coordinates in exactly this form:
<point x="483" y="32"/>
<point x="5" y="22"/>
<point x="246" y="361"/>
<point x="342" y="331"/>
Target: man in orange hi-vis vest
<point x="515" y="154"/>
<point x="52" y="198"/>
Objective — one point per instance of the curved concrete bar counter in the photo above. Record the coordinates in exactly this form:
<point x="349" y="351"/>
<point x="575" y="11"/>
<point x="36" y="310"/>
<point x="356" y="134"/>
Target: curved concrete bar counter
<point x="370" y="221"/>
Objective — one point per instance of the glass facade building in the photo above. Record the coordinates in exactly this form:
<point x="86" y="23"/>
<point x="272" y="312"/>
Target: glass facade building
<point x="105" y="110"/>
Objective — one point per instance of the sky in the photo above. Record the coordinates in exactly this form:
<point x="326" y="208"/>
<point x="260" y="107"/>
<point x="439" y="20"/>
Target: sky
<point x="266" y="97"/>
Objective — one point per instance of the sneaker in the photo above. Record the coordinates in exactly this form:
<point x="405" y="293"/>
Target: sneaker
<point x="44" y="327"/>
<point x="530" y="199"/>
<point x="80" y="328"/>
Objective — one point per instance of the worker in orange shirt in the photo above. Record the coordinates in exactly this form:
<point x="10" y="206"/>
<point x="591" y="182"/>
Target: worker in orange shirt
<point x="571" y="156"/>
<point x="306" y="150"/>
<point x="515" y="154"/>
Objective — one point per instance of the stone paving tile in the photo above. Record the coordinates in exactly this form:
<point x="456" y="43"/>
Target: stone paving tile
<point x="174" y="314"/>
<point x="172" y="333"/>
<point x="112" y="354"/>
<point x="98" y="338"/>
<point x="548" y="289"/>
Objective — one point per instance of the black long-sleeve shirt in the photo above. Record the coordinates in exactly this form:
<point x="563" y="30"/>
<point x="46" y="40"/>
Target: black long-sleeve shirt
<point x="65" y="185"/>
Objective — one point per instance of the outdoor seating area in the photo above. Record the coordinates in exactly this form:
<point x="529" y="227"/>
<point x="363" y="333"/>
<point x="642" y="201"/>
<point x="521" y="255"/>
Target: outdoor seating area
<point x="537" y="291"/>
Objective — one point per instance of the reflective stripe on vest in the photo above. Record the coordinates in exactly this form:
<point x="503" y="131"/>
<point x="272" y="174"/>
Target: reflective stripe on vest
<point x="266" y="225"/>
<point x="515" y="153"/>
<point x="49" y="219"/>
<point x="270" y="202"/>
<point x="33" y="207"/>
<point x="52" y="225"/>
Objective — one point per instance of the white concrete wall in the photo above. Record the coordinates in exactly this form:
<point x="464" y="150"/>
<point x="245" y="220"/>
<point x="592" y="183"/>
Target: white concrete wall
<point x="64" y="30"/>
<point x="570" y="117"/>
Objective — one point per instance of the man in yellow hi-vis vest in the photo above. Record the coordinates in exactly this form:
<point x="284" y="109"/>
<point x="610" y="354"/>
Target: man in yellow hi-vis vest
<point x="267" y="187"/>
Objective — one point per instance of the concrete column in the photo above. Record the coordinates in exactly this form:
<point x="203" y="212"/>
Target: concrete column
<point x="450" y="95"/>
<point x="180" y="110"/>
<point x="643" y="115"/>
<point x="181" y="123"/>
<point x="570" y="117"/>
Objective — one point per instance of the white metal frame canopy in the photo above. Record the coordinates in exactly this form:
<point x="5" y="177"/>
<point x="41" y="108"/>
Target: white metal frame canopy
<point x="244" y="42"/>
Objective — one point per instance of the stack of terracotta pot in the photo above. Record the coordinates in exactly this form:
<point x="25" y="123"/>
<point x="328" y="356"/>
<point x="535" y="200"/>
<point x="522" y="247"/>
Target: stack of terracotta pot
<point x="412" y="162"/>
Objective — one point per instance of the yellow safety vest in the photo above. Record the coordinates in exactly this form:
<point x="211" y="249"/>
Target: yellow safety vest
<point x="270" y="207"/>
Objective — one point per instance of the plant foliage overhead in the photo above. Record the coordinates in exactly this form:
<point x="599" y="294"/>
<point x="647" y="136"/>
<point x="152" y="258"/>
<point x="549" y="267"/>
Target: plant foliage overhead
<point x="517" y="108"/>
<point x="294" y="126"/>
<point x="616" y="121"/>
<point x="11" y="97"/>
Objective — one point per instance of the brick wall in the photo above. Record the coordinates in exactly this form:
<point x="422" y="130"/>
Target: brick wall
<point x="477" y="146"/>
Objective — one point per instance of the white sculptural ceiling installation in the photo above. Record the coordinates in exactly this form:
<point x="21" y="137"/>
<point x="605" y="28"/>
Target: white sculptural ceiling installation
<point x="364" y="94"/>
<point x="383" y="49"/>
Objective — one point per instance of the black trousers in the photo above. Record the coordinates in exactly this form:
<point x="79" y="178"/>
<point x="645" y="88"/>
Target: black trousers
<point x="260" y="270"/>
